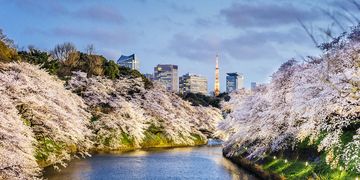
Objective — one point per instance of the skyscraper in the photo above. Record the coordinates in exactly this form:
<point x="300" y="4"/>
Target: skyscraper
<point x="234" y="81"/>
<point x="168" y="75"/>
<point x="217" y="83"/>
<point x="193" y="83"/>
<point x="253" y="86"/>
<point x="129" y="61"/>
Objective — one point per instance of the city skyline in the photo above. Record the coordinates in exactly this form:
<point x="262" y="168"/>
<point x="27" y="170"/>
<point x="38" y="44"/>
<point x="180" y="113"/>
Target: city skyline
<point x="188" y="82"/>
<point x="167" y="74"/>
<point x="232" y="29"/>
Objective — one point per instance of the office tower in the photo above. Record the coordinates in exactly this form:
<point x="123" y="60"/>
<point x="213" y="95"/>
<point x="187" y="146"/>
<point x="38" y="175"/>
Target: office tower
<point x="131" y="62"/>
<point x="234" y="81"/>
<point x="253" y="86"/>
<point x="193" y="83"/>
<point x="168" y="75"/>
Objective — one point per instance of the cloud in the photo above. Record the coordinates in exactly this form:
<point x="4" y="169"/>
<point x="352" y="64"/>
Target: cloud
<point x="195" y="49"/>
<point x="265" y="45"/>
<point x="99" y="13"/>
<point x="141" y="1"/>
<point x="203" y="22"/>
<point x="166" y="20"/>
<point x="265" y="15"/>
<point x="103" y="36"/>
<point x="243" y="48"/>
<point x="246" y="46"/>
<point x="41" y="6"/>
<point x="180" y="8"/>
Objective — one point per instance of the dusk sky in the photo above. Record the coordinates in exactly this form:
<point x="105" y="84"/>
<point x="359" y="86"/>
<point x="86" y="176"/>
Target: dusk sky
<point x="252" y="37"/>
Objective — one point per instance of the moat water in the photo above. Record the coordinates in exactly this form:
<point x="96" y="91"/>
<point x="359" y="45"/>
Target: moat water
<point x="205" y="162"/>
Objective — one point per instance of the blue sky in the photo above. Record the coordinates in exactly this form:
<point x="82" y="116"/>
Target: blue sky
<point x="252" y="37"/>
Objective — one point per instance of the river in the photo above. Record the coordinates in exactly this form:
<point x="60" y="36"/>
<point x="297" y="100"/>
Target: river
<point x="205" y="162"/>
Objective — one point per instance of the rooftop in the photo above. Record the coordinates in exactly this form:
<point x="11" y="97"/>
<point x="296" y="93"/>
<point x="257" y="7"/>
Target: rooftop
<point x="126" y="58"/>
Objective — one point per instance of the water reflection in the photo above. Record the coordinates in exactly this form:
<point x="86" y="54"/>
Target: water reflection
<point x="176" y="163"/>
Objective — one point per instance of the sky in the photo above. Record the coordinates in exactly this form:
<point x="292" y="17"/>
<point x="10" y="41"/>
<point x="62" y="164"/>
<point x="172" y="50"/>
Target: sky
<point x="252" y="37"/>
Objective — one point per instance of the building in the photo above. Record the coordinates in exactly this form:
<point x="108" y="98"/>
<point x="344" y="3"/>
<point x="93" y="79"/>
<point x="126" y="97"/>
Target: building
<point x="149" y="76"/>
<point x="234" y="81"/>
<point x="217" y="83"/>
<point x="253" y="86"/>
<point x="168" y="75"/>
<point x="131" y="62"/>
<point x="193" y="83"/>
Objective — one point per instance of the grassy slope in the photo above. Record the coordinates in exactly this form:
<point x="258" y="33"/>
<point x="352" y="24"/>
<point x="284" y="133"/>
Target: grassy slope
<point x="298" y="168"/>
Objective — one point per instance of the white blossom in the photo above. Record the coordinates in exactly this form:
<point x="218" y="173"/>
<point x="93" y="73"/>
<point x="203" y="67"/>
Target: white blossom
<point x="302" y="101"/>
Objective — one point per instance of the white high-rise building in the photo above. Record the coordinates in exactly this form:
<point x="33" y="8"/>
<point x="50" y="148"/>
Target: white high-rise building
<point x="168" y="75"/>
<point x="193" y="83"/>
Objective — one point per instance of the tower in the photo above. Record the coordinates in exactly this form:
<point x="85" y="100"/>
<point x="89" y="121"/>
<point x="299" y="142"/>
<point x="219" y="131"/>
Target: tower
<point x="217" y="84"/>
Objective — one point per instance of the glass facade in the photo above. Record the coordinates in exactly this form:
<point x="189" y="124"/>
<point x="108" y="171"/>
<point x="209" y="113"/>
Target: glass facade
<point x="253" y="86"/>
<point x="234" y="81"/>
<point x="129" y="61"/>
<point x="167" y="74"/>
<point x="193" y="83"/>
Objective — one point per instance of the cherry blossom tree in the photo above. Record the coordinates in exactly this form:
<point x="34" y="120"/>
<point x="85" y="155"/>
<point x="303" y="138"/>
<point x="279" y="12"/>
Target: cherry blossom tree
<point x="317" y="100"/>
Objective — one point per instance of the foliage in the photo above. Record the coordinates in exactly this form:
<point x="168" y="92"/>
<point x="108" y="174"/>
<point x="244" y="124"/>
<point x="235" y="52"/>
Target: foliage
<point x="64" y="60"/>
<point x="299" y="169"/>
<point x="124" y="106"/>
<point x="62" y="52"/>
<point x="304" y="101"/>
<point x="41" y="58"/>
<point x="37" y="115"/>
<point x="199" y="99"/>
<point x="111" y="70"/>
<point x="229" y="104"/>
<point x="106" y="106"/>
<point x="7" y="49"/>
<point x="16" y="152"/>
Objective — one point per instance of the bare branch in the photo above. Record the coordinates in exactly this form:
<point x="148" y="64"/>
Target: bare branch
<point x="308" y="32"/>
<point x="346" y="17"/>
<point x="336" y="21"/>
<point x="357" y="5"/>
<point x="349" y="13"/>
<point x="90" y="49"/>
<point x="62" y="52"/>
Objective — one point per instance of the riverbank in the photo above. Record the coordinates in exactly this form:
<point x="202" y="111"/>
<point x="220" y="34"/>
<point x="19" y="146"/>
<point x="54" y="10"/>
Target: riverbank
<point x="295" y="164"/>
<point x="308" y="109"/>
<point x="150" y="141"/>
<point x="256" y="169"/>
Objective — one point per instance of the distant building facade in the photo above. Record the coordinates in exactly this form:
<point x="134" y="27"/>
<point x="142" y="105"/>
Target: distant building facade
<point x="253" y="86"/>
<point x="168" y="75"/>
<point x="234" y="81"/>
<point x="149" y="76"/>
<point x="193" y="83"/>
<point x="131" y="62"/>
